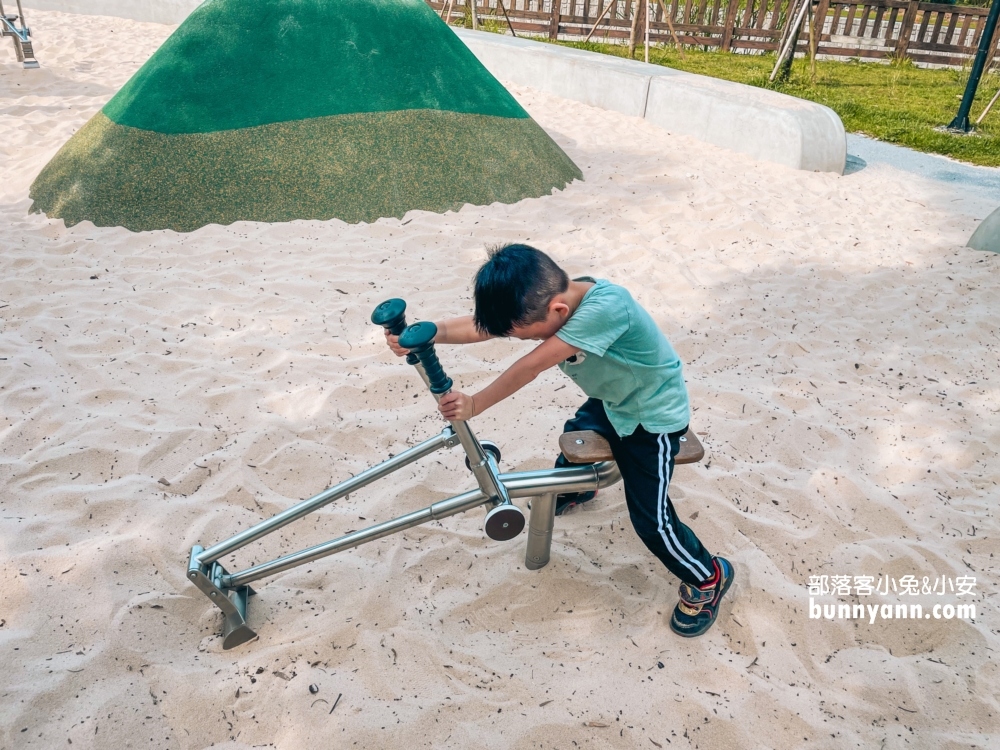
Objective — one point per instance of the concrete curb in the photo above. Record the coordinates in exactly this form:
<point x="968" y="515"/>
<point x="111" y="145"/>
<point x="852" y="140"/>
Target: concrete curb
<point x="987" y="235"/>
<point x="763" y="124"/>
<point x="598" y="80"/>
<point x="151" y="11"/>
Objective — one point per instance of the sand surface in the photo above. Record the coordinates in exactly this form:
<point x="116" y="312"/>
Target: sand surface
<point x="160" y="390"/>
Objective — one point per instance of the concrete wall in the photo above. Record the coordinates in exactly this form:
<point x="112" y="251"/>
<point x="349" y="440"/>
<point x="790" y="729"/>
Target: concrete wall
<point x="764" y="124"/>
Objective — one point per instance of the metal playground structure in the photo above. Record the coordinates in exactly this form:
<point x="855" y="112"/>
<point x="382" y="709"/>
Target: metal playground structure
<point x="593" y="468"/>
<point x="21" y="35"/>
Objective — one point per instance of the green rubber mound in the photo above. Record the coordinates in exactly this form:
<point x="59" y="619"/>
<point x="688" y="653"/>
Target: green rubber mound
<point x="274" y="110"/>
<point x="351" y="167"/>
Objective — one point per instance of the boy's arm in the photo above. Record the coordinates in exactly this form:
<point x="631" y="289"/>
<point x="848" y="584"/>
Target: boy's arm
<point x="552" y="351"/>
<point x="452" y="331"/>
<point x="460" y="331"/>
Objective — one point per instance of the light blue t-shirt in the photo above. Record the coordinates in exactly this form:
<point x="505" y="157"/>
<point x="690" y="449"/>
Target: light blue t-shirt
<point x="626" y="361"/>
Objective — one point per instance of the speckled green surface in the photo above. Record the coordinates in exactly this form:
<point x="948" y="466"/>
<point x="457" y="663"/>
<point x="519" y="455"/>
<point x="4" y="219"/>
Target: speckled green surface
<point x="242" y="63"/>
<point x="274" y="110"/>
<point x="356" y="167"/>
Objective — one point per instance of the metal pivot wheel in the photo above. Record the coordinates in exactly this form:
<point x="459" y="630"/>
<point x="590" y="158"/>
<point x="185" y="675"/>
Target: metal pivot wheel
<point x="490" y="447"/>
<point x="504" y="522"/>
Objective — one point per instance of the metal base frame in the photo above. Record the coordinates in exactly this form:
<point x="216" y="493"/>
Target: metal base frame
<point x="231" y="592"/>
<point x="540" y="527"/>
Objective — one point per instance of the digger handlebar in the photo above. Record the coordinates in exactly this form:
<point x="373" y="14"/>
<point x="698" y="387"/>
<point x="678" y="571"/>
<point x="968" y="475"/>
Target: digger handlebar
<point x="419" y="339"/>
<point x="391" y="315"/>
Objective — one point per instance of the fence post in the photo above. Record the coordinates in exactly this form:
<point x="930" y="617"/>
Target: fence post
<point x="993" y="50"/>
<point x="729" y="25"/>
<point x="903" y="43"/>
<point x="819" y="21"/>
<point x="822" y="11"/>
<point x="637" y="15"/>
<point x="554" y="22"/>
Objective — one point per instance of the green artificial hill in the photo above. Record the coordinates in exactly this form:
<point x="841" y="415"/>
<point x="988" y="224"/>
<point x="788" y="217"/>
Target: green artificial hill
<point x="273" y="110"/>
<point x="238" y="63"/>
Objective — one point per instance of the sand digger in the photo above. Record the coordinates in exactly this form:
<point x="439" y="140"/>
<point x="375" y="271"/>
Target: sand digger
<point x="593" y="468"/>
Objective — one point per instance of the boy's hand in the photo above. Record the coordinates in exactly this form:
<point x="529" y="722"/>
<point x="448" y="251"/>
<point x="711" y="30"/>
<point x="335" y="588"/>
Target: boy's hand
<point x="456" y="405"/>
<point x="393" y="342"/>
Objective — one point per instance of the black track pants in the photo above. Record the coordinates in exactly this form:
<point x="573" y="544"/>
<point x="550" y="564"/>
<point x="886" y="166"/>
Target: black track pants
<point x="646" y="461"/>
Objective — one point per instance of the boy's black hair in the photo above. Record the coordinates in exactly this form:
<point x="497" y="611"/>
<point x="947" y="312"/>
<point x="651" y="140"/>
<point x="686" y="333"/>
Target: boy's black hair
<point x="514" y="288"/>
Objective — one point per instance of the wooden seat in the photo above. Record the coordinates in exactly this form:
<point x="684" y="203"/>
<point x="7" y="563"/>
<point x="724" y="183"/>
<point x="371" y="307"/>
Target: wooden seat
<point x="588" y="447"/>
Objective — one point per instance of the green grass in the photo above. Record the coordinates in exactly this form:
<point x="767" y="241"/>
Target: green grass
<point x="897" y="103"/>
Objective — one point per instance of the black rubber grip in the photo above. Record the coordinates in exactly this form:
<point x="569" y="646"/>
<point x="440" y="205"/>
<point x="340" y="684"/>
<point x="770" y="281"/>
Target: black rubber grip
<point x="391" y="315"/>
<point x="419" y="339"/>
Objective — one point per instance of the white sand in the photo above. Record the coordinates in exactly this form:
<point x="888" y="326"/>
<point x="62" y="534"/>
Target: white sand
<point x="841" y="351"/>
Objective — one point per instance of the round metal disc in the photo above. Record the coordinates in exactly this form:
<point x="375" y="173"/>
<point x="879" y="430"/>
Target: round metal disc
<point x="504" y="522"/>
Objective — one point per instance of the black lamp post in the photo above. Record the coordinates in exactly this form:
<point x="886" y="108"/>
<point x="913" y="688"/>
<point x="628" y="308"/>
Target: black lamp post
<point x="961" y="121"/>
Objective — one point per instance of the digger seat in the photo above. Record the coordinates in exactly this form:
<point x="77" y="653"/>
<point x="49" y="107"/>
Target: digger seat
<point x="588" y="447"/>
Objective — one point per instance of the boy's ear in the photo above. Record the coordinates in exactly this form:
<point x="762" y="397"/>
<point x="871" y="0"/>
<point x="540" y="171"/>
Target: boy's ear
<point x="560" y="307"/>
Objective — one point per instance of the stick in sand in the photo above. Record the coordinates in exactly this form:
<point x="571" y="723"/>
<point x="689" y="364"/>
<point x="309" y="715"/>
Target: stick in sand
<point x="335" y="703"/>
<point x="600" y="18"/>
<point x="670" y="25"/>
<point x="989" y="107"/>
<point x="647" y="31"/>
<point x="509" y="24"/>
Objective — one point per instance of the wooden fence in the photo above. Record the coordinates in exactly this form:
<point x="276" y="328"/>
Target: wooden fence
<point x="929" y="33"/>
<point x="925" y="32"/>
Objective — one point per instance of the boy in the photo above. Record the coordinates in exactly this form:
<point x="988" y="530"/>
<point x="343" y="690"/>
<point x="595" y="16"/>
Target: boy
<point x="611" y="347"/>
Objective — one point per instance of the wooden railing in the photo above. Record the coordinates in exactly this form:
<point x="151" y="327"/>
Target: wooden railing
<point x="930" y="33"/>
<point x="924" y="32"/>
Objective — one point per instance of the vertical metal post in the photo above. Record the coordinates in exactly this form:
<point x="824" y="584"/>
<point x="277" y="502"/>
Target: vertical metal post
<point x="961" y="121"/>
<point x="540" y="527"/>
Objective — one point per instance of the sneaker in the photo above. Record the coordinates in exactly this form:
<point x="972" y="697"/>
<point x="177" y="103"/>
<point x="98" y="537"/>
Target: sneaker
<point x="572" y="499"/>
<point x="699" y="606"/>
